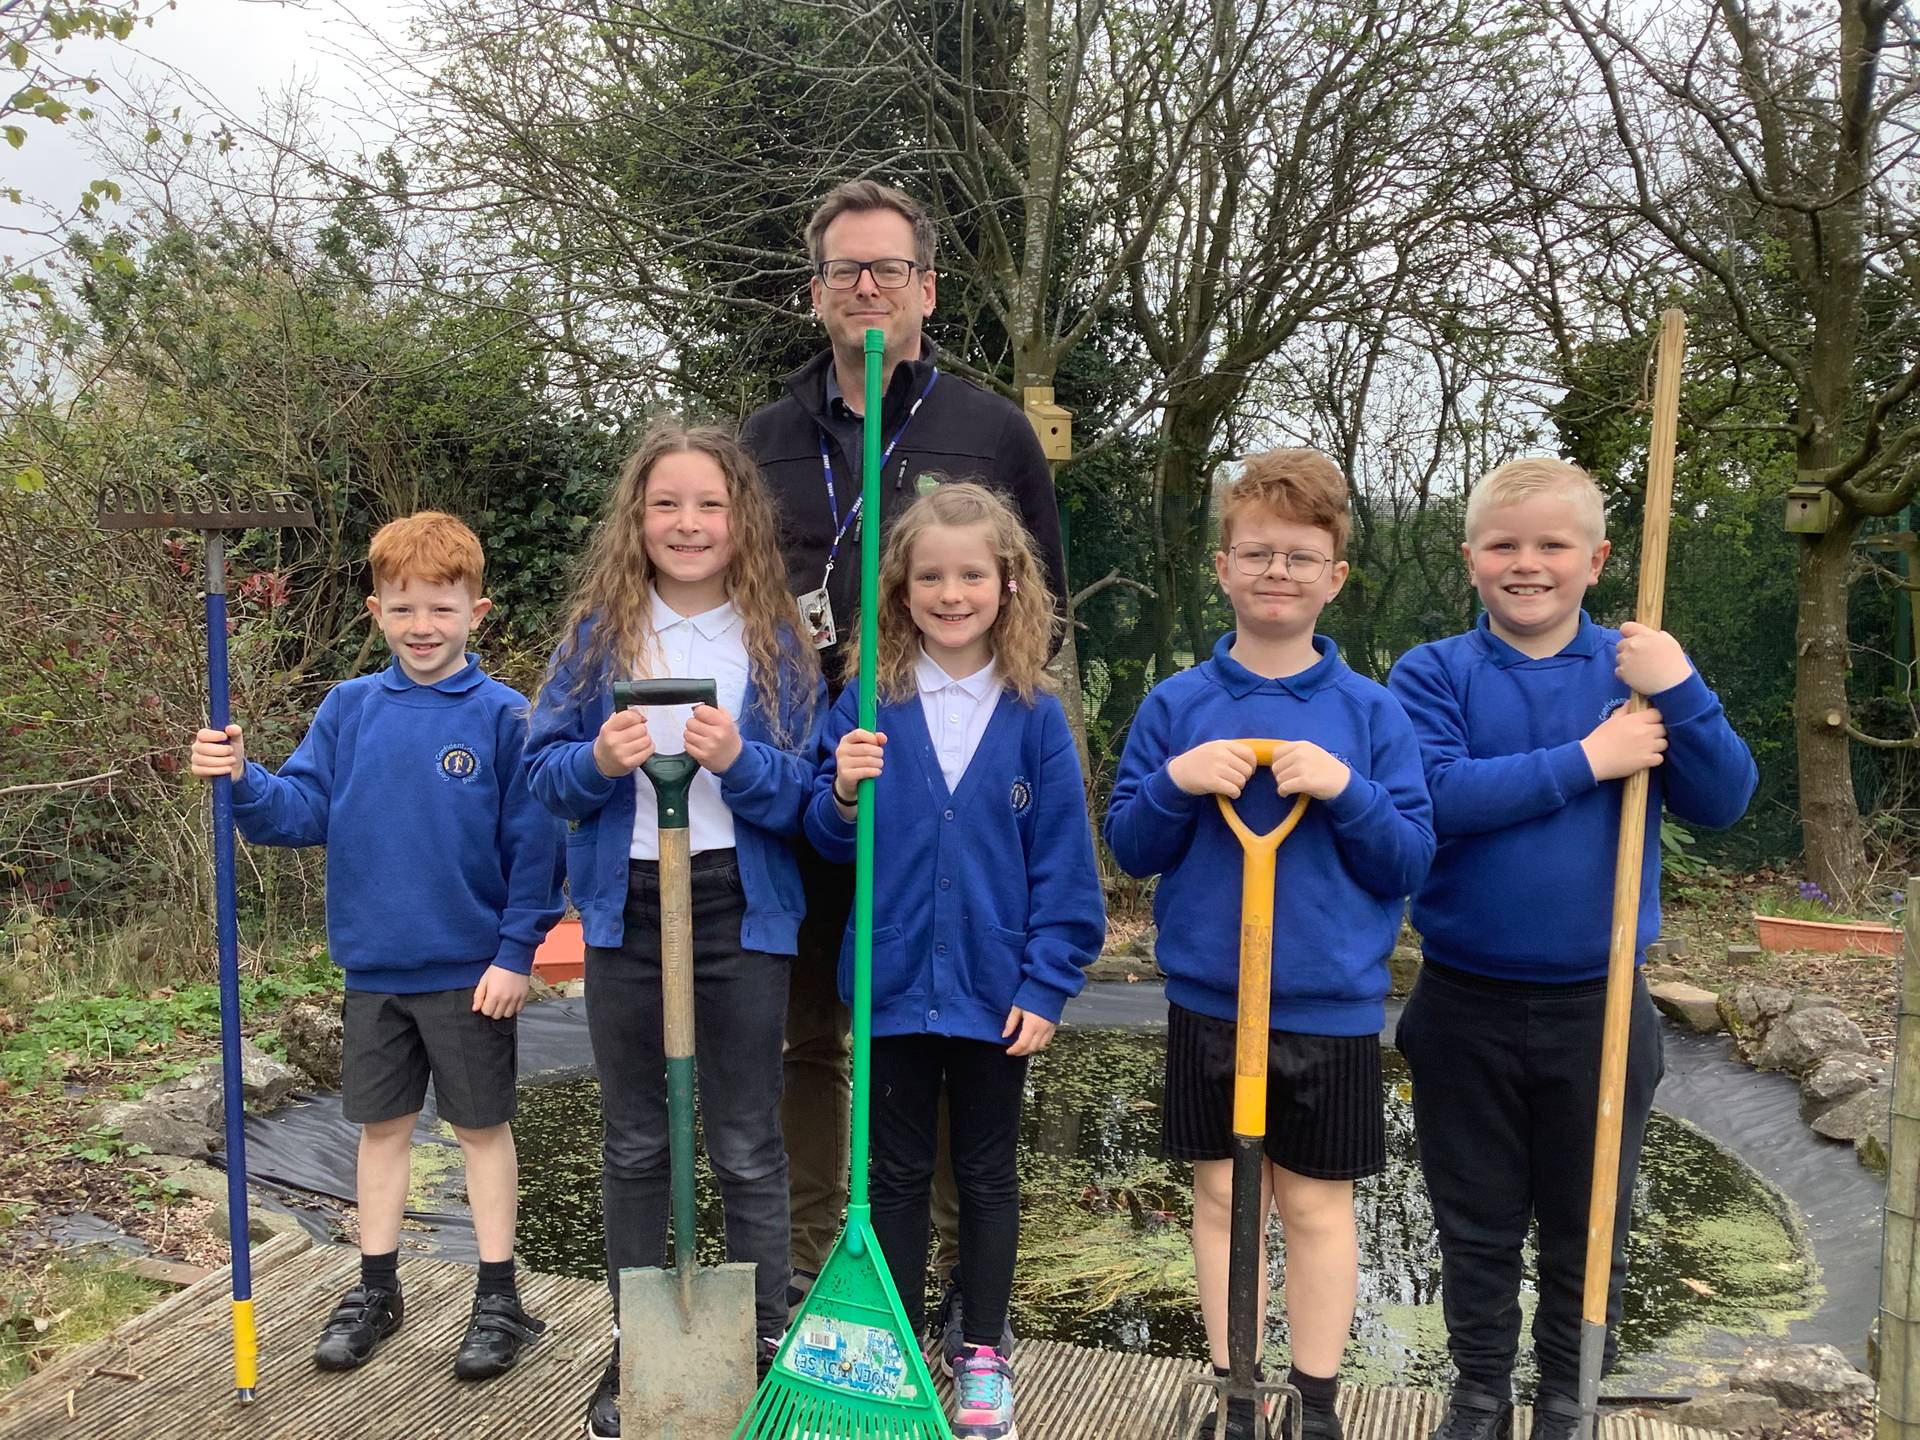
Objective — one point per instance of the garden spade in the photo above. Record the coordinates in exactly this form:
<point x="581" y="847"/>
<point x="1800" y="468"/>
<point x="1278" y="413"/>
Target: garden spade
<point x="688" y="1358"/>
<point x="1241" y="1387"/>
<point x="1604" y="1198"/>
<point x="213" y="513"/>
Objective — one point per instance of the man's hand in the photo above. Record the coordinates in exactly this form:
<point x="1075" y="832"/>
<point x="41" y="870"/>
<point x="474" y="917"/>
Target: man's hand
<point x="215" y="754"/>
<point x="859" y="756"/>
<point x="623" y="744"/>
<point x="1219" y="767"/>
<point x="712" y="738"/>
<point x="500" y="993"/>
<point x="1624" y="743"/>
<point x="1649" y="660"/>
<point x="1030" y="1032"/>
<point x="1301" y="767"/>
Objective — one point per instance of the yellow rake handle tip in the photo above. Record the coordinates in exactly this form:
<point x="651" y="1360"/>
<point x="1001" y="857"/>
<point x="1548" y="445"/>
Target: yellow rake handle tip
<point x="246" y="1347"/>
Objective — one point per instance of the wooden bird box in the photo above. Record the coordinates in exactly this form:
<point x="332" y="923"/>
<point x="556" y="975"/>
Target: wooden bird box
<point x="1052" y="423"/>
<point x="1809" y="509"/>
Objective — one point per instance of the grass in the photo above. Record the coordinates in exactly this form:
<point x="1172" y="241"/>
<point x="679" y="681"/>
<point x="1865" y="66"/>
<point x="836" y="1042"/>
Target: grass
<point x="47" y="1312"/>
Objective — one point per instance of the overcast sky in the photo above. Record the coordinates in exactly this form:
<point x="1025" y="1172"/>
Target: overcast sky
<point x="239" y="52"/>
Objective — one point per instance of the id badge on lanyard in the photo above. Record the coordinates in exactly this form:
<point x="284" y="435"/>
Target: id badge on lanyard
<point x="816" y="606"/>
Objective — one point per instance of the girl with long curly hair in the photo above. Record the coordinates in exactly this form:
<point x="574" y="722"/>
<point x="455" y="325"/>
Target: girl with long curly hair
<point x="987" y="905"/>
<point x="683" y="579"/>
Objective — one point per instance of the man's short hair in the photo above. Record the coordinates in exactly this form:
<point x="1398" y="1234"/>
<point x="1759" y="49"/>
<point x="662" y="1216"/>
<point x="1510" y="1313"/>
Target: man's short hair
<point x="1518" y="480"/>
<point x="429" y="546"/>
<point x="854" y="196"/>
<point x="1297" y="484"/>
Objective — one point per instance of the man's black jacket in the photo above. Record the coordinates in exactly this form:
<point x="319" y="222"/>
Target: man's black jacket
<point x="961" y="432"/>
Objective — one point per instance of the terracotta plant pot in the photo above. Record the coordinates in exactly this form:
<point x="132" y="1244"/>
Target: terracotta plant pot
<point x="562" y="956"/>
<point x="1783" y="932"/>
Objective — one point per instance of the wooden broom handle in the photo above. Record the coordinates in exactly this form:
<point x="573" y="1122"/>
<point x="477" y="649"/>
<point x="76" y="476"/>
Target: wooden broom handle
<point x="1633" y="835"/>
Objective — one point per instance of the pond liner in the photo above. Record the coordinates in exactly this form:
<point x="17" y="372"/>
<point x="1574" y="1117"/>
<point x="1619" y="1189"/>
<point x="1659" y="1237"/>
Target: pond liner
<point x="305" y="1152"/>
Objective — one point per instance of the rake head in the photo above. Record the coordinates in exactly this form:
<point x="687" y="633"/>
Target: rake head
<point x="199" y="507"/>
<point x="1206" y="1401"/>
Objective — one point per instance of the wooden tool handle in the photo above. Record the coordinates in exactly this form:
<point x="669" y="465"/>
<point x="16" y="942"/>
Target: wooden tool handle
<point x="1604" y="1198"/>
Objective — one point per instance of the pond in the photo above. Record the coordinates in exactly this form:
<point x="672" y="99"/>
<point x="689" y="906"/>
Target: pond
<point x="1105" y="1260"/>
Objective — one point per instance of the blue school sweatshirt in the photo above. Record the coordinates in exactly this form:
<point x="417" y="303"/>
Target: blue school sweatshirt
<point x="439" y="860"/>
<point x="1522" y="883"/>
<point x="766" y="788"/>
<point x="1342" y="876"/>
<point x="985" y="897"/>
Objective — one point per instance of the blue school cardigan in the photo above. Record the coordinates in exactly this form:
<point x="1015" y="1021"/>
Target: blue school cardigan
<point x="766" y="789"/>
<point x="985" y="897"/>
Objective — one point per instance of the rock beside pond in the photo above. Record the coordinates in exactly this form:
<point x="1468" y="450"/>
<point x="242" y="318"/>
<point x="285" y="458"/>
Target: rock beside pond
<point x="1800" y="1040"/>
<point x="1131" y="959"/>
<point x="1803" y="1377"/>
<point x="180" y="1121"/>
<point x="1735" y="1410"/>
<point x="1748" y="1010"/>
<point x="185" y="1116"/>
<point x="310" y="1031"/>
<point x="1691" y="1006"/>
<point x="1855" y="1117"/>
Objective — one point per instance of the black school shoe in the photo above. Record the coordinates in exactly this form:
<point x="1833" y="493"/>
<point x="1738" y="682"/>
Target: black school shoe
<point x="603" y="1410"/>
<point x="1474" y="1414"/>
<point x="1555" y="1416"/>
<point x="365" y="1316"/>
<point x="497" y="1331"/>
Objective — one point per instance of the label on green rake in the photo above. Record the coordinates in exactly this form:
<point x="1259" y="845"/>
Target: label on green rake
<point x="860" y="1359"/>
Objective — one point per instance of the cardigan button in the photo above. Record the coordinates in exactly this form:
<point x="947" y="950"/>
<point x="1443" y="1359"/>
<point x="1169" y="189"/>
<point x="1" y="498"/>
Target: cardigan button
<point x="945" y="883"/>
<point x="947" y="816"/>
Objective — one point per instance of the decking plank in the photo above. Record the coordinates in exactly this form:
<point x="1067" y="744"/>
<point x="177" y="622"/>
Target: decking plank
<point x="181" y="1350"/>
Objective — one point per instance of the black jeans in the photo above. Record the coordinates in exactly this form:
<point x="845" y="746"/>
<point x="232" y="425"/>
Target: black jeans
<point x="985" y="1087"/>
<point x="1506" y="1080"/>
<point x="740" y="1007"/>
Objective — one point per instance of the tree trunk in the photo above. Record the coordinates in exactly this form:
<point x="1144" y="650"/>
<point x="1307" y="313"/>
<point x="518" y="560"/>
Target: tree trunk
<point x="1829" y="814"/>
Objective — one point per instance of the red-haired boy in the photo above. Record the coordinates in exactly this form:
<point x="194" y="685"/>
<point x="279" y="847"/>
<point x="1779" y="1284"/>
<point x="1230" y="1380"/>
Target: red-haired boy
<point x="442" y="877"/>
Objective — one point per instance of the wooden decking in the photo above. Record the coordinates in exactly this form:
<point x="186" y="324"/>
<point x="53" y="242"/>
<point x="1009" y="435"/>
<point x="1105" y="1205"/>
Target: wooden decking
<point x="167" y="1375"/>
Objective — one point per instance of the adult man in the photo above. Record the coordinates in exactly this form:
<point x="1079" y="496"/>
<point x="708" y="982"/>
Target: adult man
<point x="871" y="248"/>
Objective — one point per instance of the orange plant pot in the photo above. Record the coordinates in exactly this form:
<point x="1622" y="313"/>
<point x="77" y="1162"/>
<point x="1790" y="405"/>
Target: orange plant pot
<point x="1783" y="932"/>
<point x="562" y="955"/>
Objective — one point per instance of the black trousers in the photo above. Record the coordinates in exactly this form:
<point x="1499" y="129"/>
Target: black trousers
<point x="1506" y="1079"/>
<point x="739" y="1006"/>
<point x="985" y="1087"/>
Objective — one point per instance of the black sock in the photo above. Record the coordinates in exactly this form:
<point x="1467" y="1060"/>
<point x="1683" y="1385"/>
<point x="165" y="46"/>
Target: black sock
<point x="1316" y="1392"/>
<point x="496" y="1278"/>
<point x="380" y="1272"/>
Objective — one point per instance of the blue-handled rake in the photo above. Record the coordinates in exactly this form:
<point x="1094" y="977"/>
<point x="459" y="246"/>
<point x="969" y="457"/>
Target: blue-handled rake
<point x="206" y="509"/>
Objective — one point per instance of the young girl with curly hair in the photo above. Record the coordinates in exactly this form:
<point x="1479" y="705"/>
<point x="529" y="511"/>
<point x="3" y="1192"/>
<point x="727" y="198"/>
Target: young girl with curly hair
<point x="987" y="905"/>
<point x="683" y="579"/>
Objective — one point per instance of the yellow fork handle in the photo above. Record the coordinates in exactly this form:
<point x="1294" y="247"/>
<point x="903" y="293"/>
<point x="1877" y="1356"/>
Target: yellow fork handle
<point x="1256" y="951"/>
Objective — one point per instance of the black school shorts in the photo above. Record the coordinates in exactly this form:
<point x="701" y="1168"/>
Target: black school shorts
<point x="1326" y="1113"/>
<point x="392" y="1043"/>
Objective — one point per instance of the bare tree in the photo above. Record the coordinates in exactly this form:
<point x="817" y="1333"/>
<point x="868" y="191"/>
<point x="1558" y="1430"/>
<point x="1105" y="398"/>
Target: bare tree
<point x="1767" y="152"/>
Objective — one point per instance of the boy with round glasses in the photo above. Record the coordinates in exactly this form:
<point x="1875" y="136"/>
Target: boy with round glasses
<point x="1344" y="876"/>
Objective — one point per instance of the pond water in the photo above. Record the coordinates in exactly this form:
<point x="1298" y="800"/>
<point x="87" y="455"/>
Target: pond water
<point x="1105" y="1260"/>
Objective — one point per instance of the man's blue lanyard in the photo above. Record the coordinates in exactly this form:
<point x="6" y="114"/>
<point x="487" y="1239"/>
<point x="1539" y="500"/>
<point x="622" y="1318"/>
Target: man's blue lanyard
<point x="826" y="468"/>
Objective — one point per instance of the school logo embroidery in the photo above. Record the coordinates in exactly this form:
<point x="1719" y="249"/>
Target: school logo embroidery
<point x="1611" y="706"/>
<point x="1022" y="795"/>
<point x="458" y="762"/>
<point x="926" y="482"/>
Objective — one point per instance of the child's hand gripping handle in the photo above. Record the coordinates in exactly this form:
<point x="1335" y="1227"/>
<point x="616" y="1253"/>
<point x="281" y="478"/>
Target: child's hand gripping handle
<point x="1256" y="948"/>
<point x="672" y="775"/>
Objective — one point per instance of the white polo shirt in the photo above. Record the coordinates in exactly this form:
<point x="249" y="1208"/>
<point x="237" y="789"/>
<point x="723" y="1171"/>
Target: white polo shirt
<point x="697" y="647"/>
<point x="957" y="712"/>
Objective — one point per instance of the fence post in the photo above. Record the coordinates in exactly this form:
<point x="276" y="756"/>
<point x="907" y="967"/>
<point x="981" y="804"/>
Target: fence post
<point x="1899" y="1396"/>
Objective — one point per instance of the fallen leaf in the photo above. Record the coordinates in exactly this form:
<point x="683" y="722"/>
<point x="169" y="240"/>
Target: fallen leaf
<point x="1699" y="1287"/>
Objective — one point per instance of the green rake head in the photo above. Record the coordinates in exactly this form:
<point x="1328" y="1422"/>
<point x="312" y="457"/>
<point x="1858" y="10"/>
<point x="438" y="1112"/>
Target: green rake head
<point x="850" y="1368"/>
<point x="202" y="506"/>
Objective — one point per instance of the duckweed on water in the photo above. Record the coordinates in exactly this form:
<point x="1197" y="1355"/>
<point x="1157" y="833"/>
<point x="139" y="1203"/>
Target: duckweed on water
<point x="1105" y="1258"/>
